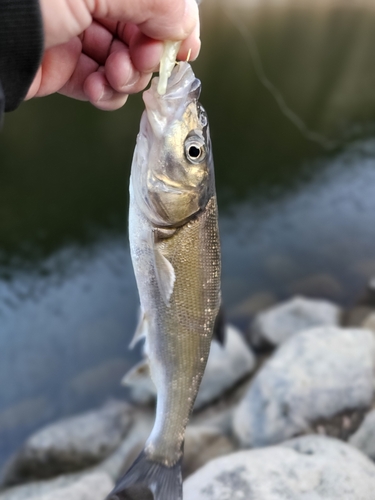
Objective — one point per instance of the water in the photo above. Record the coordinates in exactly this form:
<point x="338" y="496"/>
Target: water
<point x="294" y="216"/>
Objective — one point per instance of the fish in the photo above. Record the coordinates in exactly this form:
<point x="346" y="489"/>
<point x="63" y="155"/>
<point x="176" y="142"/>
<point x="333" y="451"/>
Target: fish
<point x="175" y="251"/>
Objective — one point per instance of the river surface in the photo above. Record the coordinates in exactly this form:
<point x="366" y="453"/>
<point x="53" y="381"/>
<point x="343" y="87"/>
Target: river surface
<point x="290" y="94"/>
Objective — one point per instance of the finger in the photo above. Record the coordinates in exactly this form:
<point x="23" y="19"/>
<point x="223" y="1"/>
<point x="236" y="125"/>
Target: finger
<point x="109" y="24"/>
<point x="122" y="30"/>
<point x="119" y="69"/>
<point x="35" y="85"/>
<point x="162" y="20"/>
<point x="63" y="20"/>
<point x="101" y="94"/>
<point x="96" y="42"/>
<point x="145" y="52"/>
<point x="57" y="67"/>
<point x="74" y="87"/>
<point x="121" y="74"/>
<point x="191" y="46"/>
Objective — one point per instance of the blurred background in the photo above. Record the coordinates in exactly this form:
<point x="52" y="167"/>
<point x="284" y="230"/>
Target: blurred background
<point x="289" y="87"/>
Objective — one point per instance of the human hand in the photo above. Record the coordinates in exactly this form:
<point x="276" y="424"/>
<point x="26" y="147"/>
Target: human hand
<point x="104" y="50"/>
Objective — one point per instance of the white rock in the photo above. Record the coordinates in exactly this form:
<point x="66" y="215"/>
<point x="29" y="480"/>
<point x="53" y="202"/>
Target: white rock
<point x="225" y="367"/>
<point x="316" y="374"/>
<point x="369" y="322"/>
<point x="94" y="486"/>
<point x="120" y="460"/>
<point x="202" y="444"/>
<point x="364" y="438"/>
<point x="35" y="489"/>
<point x="70" y="444"/>
<point x="306" y="468"/>
<point x="277" y="324"/>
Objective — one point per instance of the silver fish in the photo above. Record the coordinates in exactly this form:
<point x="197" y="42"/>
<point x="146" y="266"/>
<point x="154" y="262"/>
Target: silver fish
<point x="175" y="249"/>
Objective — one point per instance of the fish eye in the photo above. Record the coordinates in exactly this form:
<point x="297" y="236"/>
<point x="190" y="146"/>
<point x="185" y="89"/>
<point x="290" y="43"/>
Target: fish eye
<point x="194" y="152"/>
<point x="195" y="149"/>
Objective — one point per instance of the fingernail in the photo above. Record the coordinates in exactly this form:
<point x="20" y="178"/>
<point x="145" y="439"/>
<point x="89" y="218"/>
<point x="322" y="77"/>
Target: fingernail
<point x="106" y="94"/>
<point x="133" y="80"/>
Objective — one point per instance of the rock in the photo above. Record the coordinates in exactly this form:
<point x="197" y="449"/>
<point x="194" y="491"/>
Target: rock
<point x="364" y="438"/>
<point x="317" y="285"/>
<point x="316" y="374"/>
<point x="253" y="304"/>
<point x="356" y="315"/>
<point x="369" y="322"/>
<point x="37" y="488"/>
<point x="71" y="444"/>
<point x="309" y="467"/>
<point x="119" y="461"/>
<point x="226" y="366"/>
<point x="94" y="486"/>
<point x="275" y="325"/>
<point x="26" y="413"/>
<point x="202" y="444"/>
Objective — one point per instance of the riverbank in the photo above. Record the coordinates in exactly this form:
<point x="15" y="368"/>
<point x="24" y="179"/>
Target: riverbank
<point x="286" y="407"/>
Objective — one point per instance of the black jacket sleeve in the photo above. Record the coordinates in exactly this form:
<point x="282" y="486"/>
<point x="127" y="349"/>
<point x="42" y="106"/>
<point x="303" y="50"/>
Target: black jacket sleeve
<point x="21" y="49"/>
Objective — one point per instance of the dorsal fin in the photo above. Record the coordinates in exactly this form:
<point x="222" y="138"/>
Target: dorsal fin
<point x="219" y="333"/>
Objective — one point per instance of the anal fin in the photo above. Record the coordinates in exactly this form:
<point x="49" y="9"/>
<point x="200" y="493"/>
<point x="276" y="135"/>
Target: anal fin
<point x="142" y="329"/>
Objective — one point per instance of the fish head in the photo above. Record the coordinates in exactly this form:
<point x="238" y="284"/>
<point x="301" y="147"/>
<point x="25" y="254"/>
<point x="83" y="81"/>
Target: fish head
<point x="173" y="178"/>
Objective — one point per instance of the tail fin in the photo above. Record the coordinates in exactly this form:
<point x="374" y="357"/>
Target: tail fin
<point x="149" y="480"/>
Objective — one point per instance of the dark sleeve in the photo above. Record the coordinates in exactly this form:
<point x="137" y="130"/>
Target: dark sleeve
<point x="21" y="49"/>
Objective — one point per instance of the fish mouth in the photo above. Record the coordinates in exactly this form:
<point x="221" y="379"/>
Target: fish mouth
<point x="161" y="110"/>
<point x="182" y="83"/>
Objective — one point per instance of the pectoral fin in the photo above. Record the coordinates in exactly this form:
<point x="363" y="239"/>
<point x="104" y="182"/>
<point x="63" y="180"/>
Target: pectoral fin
<point x="164" y="271"/>
<point x="165" y="276"/>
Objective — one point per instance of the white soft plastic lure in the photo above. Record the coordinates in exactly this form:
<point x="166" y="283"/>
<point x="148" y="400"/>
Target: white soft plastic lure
<point x="168" y="62"/>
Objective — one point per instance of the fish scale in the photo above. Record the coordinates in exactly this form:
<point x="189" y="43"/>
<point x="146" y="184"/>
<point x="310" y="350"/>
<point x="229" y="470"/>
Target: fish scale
<point x="189" y="319"/>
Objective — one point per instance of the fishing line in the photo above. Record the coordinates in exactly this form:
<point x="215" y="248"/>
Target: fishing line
<point x="297" y="121"/>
